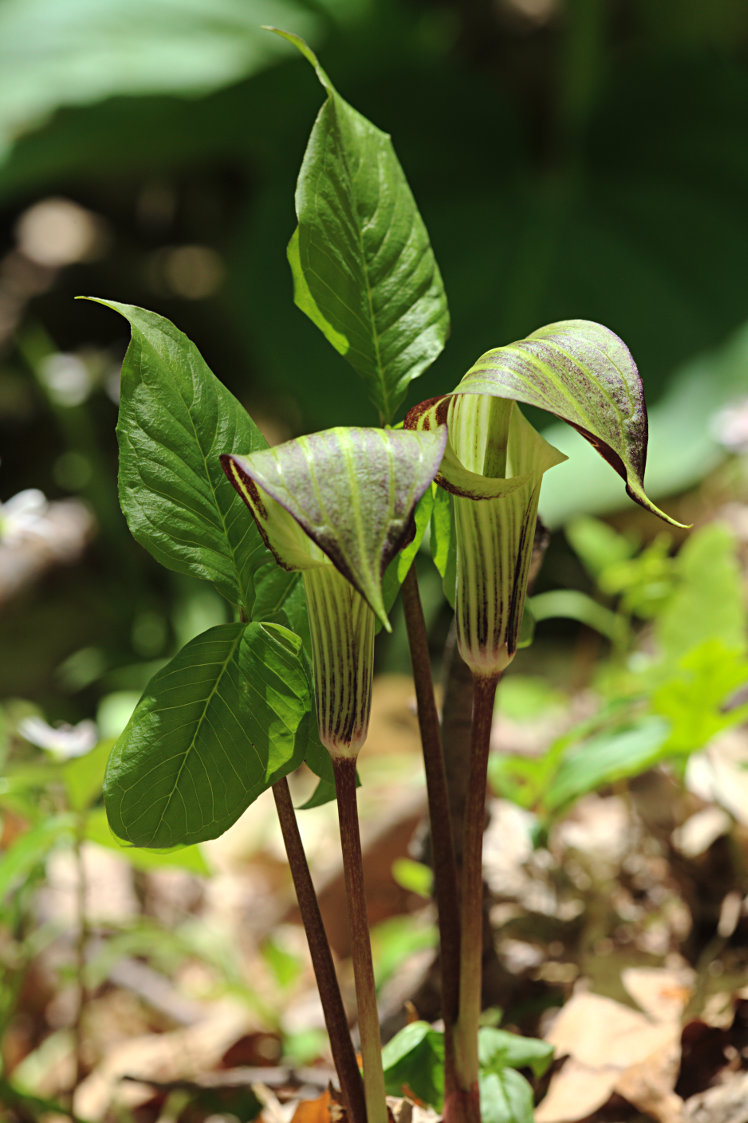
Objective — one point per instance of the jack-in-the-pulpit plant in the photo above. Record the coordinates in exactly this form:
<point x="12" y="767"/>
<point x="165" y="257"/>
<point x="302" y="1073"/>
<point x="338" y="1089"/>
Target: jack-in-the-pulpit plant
<point x="289" y="679"/>
<point x="493" y="466"/>
<point x="338" y="506"/>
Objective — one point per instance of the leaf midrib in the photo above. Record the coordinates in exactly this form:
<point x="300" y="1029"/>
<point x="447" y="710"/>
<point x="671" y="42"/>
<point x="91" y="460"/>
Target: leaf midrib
<point x="180" y="393"/>
<point x="198" y="725"/>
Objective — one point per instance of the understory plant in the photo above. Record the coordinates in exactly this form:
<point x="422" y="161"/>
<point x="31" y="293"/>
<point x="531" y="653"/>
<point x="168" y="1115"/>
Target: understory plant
<point x="310" y="542"/>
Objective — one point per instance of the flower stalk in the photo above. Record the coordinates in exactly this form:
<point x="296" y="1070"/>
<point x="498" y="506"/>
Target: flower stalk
<point x="471" y="903"/>
<point x="344" y="769"/>
<point x="442" y="842"/>
<point x="333" y="1010"/>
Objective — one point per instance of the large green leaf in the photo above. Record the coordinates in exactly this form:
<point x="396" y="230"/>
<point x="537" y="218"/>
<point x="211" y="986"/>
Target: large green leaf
<point x="364" y="271"/>
<point x="347" y="495"/>
<point x="584" y="374"/>
<point x="76" y="52"/>
<point x="175" y="418"/>
<point x="215" y="727"/>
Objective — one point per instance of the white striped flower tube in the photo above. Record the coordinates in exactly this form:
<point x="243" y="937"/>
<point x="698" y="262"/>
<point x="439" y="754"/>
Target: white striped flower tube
<point x="493" y="465"/>
<point x="338" y="505"/>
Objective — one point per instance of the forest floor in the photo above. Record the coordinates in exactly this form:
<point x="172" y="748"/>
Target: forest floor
<point x="621" y="940"/>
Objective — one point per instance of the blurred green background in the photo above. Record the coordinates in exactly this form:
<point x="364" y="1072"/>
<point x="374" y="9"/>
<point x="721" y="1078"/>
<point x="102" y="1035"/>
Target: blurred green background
<point x="571" y="158"/>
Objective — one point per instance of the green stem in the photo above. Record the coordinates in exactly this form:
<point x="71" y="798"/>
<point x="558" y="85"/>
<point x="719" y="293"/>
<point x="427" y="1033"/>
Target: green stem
<point x="471" y="911"/>
<point x="363" y="968"/>
<point x="343" y="1054"/>
<point x="81" y="944"/>
<point x="440" y="821"/>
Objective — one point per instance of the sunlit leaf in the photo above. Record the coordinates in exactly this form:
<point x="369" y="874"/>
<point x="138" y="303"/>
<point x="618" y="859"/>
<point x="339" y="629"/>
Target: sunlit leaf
<point x="413" y="1062"/>
<point x="175" y="419"/>
<point x="505" y="1097"/>
<point x="364" y="271"/>
<point x="215" y="728"/>
<point x="708" y="601"/>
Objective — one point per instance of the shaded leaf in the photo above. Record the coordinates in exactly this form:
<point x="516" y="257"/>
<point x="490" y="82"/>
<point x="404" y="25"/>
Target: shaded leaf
<point x="215" y="728"/>
<point x="413" y="1060"/>
<point x="607" y="757"/>
<point x="364" y="271"/>
<point x="497" y="1049"/>
<point x="76" y="53"/>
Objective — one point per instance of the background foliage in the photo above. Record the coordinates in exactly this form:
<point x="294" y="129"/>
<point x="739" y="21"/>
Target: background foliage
<point x="569" y="158"/>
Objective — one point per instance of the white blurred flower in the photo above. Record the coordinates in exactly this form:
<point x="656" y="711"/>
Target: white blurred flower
<point x="62" y="741"/>
<point x="730" y="426"/>
<point x="23" y="515"/>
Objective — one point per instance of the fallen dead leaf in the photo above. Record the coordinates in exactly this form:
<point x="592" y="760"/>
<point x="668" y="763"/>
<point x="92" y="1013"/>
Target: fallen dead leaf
<point x="313" y="1111"/>
<point x="611" y="1049"/>
<point x="662" y="993"/>
<point x="165" y="1056"/>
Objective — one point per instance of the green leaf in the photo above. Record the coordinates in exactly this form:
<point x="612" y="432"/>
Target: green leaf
<point x="414" y="1059"/>
<point x="31" y="849"/>
<point x="84" y="775"/>
<point x="324" y="793"/>
<point x="364" y="271"/>
<point x="598" y="545"/>
<point x="76" y="53"/>
<point x="215" y="728"/>
<point x="505" y="1097"/>
<point x="443" y="542"/>
<point x="585" y="375"/>
<point x="414" y="876"/>
<point x="572" y="604"/>
<point x="708" y="602"/>
<point x="175" y="419"/>
<point x="497" y="1049"/>
<point x="695" y="697"/>
<point x="188" y="858"/>
<point x="398" y="568"/>
<point x="605" y="758"/>
<point x="348" y="494"/>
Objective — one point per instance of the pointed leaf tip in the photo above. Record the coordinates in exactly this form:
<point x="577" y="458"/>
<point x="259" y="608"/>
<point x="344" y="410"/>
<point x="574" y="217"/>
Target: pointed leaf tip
<point x="303" y="48"/>
<point x="364" y="270"/>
